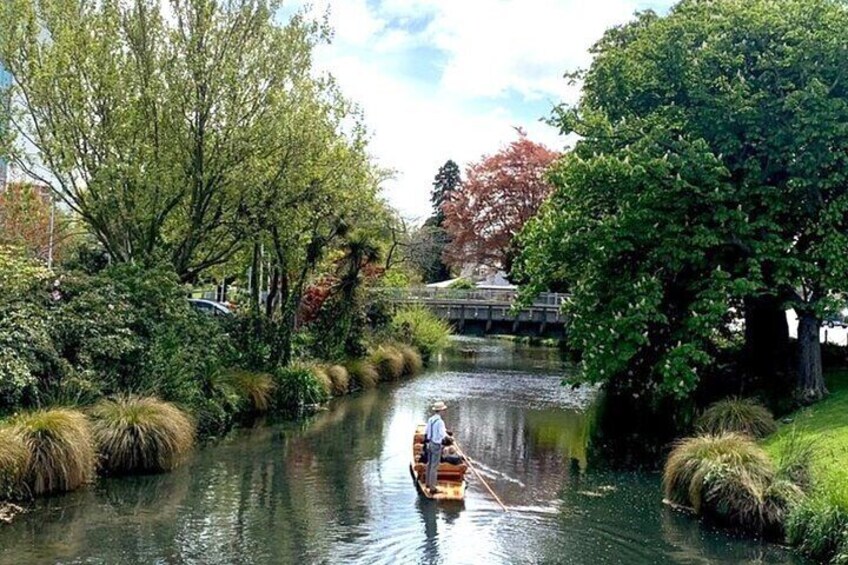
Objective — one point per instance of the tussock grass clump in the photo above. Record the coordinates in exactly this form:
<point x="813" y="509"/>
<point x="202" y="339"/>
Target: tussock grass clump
<point x="819" y="527"/>
<point x="323" y="378"/>
<point x="14" y="459"/>
<point x="256" y="389"/>
<point x="363" y="373"/>
<point x="141" y="435"/>
<point x="737" y="415"/>
<point x="412" y="361"/>
<point x="388" y="361"/>
<point x="341" y="380"/>
<point x="731" y="478"/>
<point x="60" y="447"/>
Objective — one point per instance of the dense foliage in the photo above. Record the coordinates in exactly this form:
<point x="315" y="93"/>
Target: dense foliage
<point x="420" y="328"/>
<point x="708" y="184"/>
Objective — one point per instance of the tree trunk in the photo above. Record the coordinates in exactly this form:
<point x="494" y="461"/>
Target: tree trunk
<point x="273" y="291"/>
<point x="255" y="280"/>
<point x="767" y="358"/>
<point x="810" y="384"/>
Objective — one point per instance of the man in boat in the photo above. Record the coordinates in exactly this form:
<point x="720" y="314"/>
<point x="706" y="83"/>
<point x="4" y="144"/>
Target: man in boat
<point x="434" y="434"/>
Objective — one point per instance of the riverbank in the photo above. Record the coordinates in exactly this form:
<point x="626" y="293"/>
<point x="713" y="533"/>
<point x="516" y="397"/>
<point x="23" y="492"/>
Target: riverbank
<point x="532" y="341"/>
<point x="335" y="487"/>
<point x="60" y="449"/>
<point x="819" y="525"/>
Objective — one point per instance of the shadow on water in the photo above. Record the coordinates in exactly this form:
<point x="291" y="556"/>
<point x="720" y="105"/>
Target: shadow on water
<point x="335" y="488"/>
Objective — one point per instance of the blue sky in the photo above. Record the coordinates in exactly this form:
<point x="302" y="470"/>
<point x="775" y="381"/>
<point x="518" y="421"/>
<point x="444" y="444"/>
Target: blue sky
<point x="440" y="79"/>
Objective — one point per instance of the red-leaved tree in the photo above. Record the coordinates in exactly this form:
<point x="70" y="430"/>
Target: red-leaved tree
<point x="499" y="195"/>
<point x="25" y="220"/>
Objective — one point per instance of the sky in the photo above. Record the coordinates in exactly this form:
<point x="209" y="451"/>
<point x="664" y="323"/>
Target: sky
<point x="452" y="79"/>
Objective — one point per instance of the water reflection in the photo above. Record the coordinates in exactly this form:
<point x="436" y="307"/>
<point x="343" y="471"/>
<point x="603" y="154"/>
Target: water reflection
<point x="336" y="488"/>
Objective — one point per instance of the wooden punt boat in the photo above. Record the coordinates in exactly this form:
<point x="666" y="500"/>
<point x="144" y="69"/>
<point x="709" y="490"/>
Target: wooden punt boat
<point x="451" y="478"/>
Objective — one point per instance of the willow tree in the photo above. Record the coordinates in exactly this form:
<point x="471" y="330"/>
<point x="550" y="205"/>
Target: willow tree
<point x="755" y="87"/>
<point x="144" y="121"/>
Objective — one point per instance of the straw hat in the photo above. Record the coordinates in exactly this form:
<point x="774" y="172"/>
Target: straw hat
<point x="439" y="406"/>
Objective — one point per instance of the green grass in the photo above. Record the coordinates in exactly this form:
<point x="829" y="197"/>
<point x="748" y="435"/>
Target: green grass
<point x="825" y="426"/>
<point x="819" y="526"/>
<point x="140" y="435"/>
<point x="740" y="415"/>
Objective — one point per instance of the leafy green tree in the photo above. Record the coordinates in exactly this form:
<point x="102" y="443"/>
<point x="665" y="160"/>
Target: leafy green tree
<point x="721" y="122"/>
<point x="144" y="123"/>
<point x="304" y="200"/>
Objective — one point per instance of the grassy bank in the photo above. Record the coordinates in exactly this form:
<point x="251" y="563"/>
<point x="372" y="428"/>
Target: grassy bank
<point x="819" y="525"/>
<point x="824" y="426"/>
<point x="787" y="480"/>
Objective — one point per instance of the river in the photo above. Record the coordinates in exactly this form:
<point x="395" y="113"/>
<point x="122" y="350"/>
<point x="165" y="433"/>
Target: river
<point x="335" y="488"/>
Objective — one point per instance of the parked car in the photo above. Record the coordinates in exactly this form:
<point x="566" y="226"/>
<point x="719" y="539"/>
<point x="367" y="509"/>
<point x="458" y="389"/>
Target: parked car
<point x="209" y="307"/>
<point x="839" y="320"/>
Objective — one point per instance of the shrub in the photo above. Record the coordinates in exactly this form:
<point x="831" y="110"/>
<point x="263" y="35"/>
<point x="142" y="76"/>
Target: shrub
<point x="363" y="373"/>
<point x="27" y="353"/>
<point x="730" y="478"/>
<point x="412" y="362"/>
<point x="141" y="434"/>
<point x="256" y="390"/>
<point x="388" y="361"/>
<point x="841" y="557"/>
<point x="61" y="449"/>
<point x="14" y="458"/>
<point x="737" y="415"/>
<point x="341" y="380"/>
<point x="818" y="526"/>
<point x="296" y="387"/>
<point x="417" y="326"/>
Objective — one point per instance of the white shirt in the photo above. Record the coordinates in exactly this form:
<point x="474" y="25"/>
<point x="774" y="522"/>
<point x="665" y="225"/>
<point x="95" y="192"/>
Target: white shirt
<point x="435" y="430"/>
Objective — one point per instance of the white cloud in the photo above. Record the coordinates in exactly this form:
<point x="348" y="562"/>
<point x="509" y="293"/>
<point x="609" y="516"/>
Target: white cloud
<point x="495" y="60"/>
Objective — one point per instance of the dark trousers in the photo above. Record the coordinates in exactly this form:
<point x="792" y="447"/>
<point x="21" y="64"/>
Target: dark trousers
<point x="435" y="455"/>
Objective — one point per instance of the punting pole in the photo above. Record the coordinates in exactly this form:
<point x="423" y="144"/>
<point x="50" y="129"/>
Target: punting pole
<point x="479" y="476"/>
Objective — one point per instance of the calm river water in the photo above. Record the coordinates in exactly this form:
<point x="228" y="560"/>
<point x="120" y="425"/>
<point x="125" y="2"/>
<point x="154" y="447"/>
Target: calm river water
<point x="336" y="488"/>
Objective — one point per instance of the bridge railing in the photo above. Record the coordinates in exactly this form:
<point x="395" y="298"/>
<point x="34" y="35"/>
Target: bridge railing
<point x="470" y="296"/>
